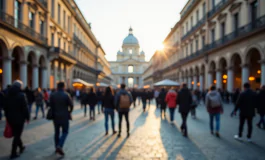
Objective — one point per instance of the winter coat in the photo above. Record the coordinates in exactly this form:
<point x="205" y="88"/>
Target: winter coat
<point x="144" y="96"/>
<point x="39" y="98"/>
<point x="99" y="96"/>
<point x="213" y="110"/>
<point x="184" y="100"/>
<point x="161" y="99"/>
<point x="83" y="98"/>
<point x="117" y="100"/>
<point x="92" y="99"/>
<point x="171" y="99"/>
<point x="16" y="106"/>
<point x="261" y="102"/>
<point x="108" y="102"/>
<point x="30" y="96"/>
<point x="247" y="102"/>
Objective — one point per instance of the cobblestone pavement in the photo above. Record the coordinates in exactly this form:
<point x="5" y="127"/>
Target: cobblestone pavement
<point x="151" y="138"/>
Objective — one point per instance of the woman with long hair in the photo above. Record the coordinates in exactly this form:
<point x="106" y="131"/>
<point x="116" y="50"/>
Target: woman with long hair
<point x="92" y="101"/>
<point x="108" y="108"/>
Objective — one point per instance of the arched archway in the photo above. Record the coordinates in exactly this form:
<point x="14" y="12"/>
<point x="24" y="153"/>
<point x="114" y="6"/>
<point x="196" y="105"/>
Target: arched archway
<point x="223" y="74"/>
<point x="253" y="59"/>
<point x="3" y="54"/>
<point x="212" y="74"/>
<point x="236" y="68"/>
<point x="17" y="56"/>
<point x="196" y="82"/>
<point x="42" y="72"/>
<point x="32" y="62"/>
<point x="190" y="81"/>
<point x="202" y="78"/>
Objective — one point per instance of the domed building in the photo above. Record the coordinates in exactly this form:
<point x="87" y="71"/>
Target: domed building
<point x="130" y="63"/>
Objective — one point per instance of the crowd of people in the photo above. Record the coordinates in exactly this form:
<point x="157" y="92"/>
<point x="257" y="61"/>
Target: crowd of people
<point x="17" y="104"/>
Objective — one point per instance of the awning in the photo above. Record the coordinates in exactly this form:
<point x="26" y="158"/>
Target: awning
<point x="101" y="84"/>
<point x="77" y="80"/>
<point x="167" y="82"/>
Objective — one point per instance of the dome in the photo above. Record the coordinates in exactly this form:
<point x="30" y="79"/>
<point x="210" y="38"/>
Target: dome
<point x="130" y="39"/>
<point x="142" y="52"/>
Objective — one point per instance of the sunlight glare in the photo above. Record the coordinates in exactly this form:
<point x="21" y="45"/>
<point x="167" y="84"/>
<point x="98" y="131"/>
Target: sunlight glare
<point x="161" y="47"/>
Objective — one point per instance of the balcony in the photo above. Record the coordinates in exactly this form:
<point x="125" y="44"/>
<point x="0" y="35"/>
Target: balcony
<point x="217" y="8"/>
<point x="189" y="7"/>
<point x="82" y="44"/>
<point x="43" y="2"/>
<point x="24" y="29"/>
<point x="244" y="31"/>
<point x="194" y="28"/>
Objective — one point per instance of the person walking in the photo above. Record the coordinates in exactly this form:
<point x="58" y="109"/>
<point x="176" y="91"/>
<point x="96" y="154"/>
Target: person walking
<point x="83" y="100"/>
<point x="46" y="97"/>
<point x="99" y="100"/>
<point x="184" y="100"/>
<point x="163" y="104"/>
<point x="17" y="113"/>
<point x="194" y="104"/>
<point x="134" y="95"/>
<point x="234" y="99"/>
<point x="171" y="100"/>
<point x="214" y="107"/>
<point x="92" y="101"/>
<point x="39" y="98"/>
<point x="2" y="97"/>
<point x="144" y="97"/>
<point x="31" y="98"/>
<point x="156" y="96"/>
<point x="246" y="104"/>
<point x="108" y="108"/>
<point x="261" y="107"/>
<point x="123" y="101"/>
<point x="62" y="107"/>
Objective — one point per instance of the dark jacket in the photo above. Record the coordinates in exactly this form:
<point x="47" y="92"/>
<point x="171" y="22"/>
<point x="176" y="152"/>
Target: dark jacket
<point x="210" y="109"/>
<point x="161" y="99"/>
<point x="92" y="99"/>
<point x="16" y="106"/>
<point x="144" y="96"/>
<point x="39" y="98"/>
<point x="261" y="102"/>
<point x="61" y="105"/>
<point x="30" y="96"/>
<point x="184" y="100"/>
<point x="247" y="102"/>
<point x="134" y="95"/>
<point x="235" y="96"/>
<point x="108" y="102"/>
<point x="83" y="98"/>
<point x="117" y="100"/>
<point x="99" y="96"/>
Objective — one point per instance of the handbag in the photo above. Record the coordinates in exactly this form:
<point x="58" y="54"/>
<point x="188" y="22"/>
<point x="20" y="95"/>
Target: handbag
<point x="49" y="115"/>
<point x="8" y="131"/>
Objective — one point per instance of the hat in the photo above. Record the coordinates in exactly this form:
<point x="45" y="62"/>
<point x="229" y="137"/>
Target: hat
<point x="18" y="83"/>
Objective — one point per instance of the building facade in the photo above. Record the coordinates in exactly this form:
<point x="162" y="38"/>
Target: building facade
<point x="46" y="41"/>
<point x="219" y="42"/>
<point x="130" y="63"/>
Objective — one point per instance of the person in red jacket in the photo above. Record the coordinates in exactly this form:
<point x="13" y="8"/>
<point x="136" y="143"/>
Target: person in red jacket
<point x="46" y="97"/>
<point x="171" y="100"/>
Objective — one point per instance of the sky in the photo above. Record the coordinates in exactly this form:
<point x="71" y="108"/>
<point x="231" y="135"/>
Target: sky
<point x="151" y="21"/>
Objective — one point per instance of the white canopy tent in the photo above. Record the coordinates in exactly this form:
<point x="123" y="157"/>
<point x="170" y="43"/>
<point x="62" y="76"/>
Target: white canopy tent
<point x="77" y="80"/>
<point x="166" y="82"/>
<point x="101" y="84"/>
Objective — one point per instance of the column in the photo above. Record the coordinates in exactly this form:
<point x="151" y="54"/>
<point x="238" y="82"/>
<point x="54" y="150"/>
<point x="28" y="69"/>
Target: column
<point x="245" y="74"/>
<point x="195" y="82"/>
<point x="62" y="72"/>
<point x="7" y="72"/>
<point x="23" y="72"/>
<point x="135" y="81"/>
<point x="189" y="82"/>
<point x="35" y="76"/>
<point x="230" y="80"/>
<point x="218" y="79"/>
<point x="201" y="82"/>
<point x="55" y="73"/>
<point x="262" y="73"/>
<point x="44" y="78"/>
<point x="126" y="81"/>
<point x="210" y="79"/>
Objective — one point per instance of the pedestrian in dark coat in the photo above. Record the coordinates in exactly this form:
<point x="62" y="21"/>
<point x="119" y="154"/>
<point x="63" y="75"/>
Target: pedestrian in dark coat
<point x="246" y="103"/>
<point x="184" y="100"/>
<point x="83" y="99"/>
<point x="30" y="97"/>
<point x="134" y="96"/>
<point x="62" y="107"/>
<point x="162" y="102"/>
<point x="92" y="102"/>
<point x="39" y="98"/>
<point x="109" y="108"/>
<point x="99" y="99"/>
<point x="261" y="107"/>
<point x="16" y="112"/>
<point x="234" y="99"/>
<point x="144" y="97"/>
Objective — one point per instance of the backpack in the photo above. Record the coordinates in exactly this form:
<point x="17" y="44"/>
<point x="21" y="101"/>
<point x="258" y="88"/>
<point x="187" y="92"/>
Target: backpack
<point x="125" y="101"/>
<point x="214" y="100"/>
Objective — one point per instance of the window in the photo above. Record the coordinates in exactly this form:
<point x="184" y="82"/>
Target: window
<point x="59" y="14"/>
<point x="187" y="50"/>
<point x="222" y="30"/>
<point x="17" y="12"/>
<point x="191" y="48"/>
<point x="52" y="8"/>
<point x="212" y="35"/>
<point x="191" y="21"/>
<point x="69" y="24"/>
<point x="203" y="41"/>
<point x="59" y="42"/>
<point x="130" y="51"/>
<point x="197" y="15"/>
<point x="64" y="19"/>
<point x="69" y="47"/>
<point x="41" y="27"/>
<point x="2" y="5"/>
<point x="130" y="68"/>
<point x="236" y="23"/>
<point x="64" y="46"/>
<point x="187" y="27"/>
<point x="197" y="45"/>
<point x="213" y="4"/>
<point x="254" y="12"/>
<point x="204" y="9"/>
<point x="52" y="39"/>
<point x="31" y="19"/>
